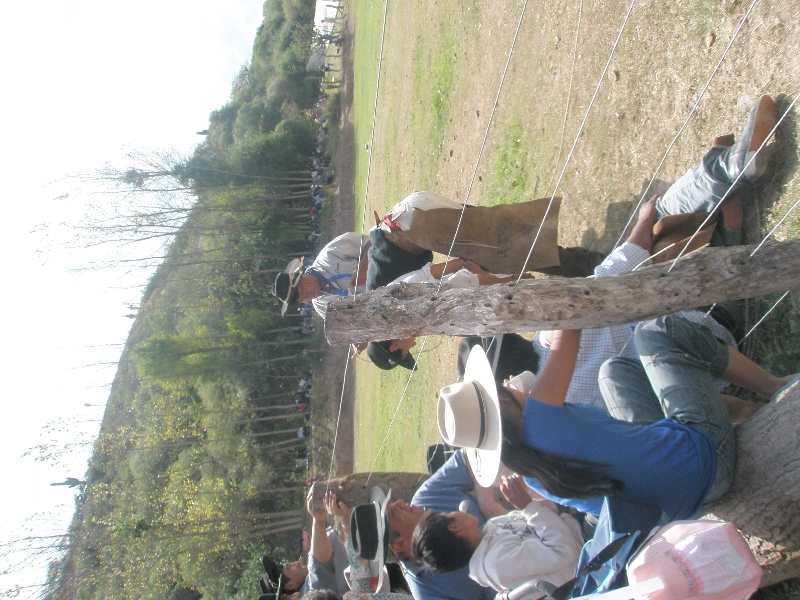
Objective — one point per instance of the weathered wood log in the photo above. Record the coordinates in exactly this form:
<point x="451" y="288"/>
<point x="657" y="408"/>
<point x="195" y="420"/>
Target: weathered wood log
<point x="353" y="489"/>
<point x="764" y="499"/>
<point x="706" y="276"/>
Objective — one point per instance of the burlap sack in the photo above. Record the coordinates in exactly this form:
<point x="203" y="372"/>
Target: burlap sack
<point x="498" y="238"/>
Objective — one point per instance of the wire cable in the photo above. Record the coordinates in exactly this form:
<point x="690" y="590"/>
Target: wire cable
<point x="574" y="144"/>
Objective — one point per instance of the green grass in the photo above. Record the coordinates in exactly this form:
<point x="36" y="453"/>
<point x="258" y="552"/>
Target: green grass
<point x="367" y="33"/>
<point x="442" y="88"/>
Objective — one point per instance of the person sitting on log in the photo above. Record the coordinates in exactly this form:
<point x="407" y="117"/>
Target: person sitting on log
<point x="665" y="411"/>
<point x="495" y="237"/>
<point x="700" y="189"/>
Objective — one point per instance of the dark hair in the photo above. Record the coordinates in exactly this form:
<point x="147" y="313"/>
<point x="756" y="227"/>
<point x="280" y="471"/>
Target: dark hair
<point x="438" y="548"/>
<point x="561" y="476"/>
<point x="516" y="354"/>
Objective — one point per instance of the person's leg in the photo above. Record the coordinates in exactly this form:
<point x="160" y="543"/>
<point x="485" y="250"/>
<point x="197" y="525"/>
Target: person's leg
<point x="627" y="392"/>
<point x="703" y="186"/>
<point x="696" y="191"/>
<point x="745" y="373"/>
<point x="682" y="360"/>
<point x="400" y="214"/>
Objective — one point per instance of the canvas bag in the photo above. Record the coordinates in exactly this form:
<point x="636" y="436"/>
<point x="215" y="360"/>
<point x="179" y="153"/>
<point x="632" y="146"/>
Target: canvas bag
<point x="707" y="560"/>
<point x="498" y="238"/>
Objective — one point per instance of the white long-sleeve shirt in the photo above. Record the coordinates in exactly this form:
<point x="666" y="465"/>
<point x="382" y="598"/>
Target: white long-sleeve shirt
<point x="533" y="543"/>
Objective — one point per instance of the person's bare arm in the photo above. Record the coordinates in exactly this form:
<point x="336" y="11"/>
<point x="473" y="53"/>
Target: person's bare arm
<point x="320" y="545"/>
<point x="554" y="378"/>
<point x="337" y="508"/>
<point x="642" y="232"/>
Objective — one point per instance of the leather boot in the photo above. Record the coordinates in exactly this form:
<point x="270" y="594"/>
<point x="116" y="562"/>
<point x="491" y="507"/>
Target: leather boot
<point x="733" y="161"/>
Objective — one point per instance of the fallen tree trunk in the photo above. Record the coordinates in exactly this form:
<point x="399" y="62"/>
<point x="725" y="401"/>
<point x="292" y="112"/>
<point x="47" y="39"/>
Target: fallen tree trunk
<point x="702" y="278"/>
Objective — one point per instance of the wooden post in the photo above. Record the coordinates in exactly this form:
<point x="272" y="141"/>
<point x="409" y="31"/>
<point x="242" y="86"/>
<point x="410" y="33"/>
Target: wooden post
<point x="353" y="489"/>
<point x="702" y="278"/>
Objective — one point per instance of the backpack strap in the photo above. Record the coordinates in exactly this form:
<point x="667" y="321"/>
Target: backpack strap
<point x="564" y="591"/>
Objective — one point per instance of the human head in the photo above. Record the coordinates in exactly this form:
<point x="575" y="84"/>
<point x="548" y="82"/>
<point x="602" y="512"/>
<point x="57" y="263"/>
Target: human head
<point x="445" y="542"/>
<point x="388" y="354"/>
<point x="369" y="523"/>
<point x="403" y="518"/>
<point x="468" y="416"/>
<point x="288" y="576"/>
<point x="566" y="477"/>
<point x="308" y="287"/>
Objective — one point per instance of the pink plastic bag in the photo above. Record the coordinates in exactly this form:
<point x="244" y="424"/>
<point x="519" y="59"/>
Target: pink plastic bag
<point x="697" y="559"/>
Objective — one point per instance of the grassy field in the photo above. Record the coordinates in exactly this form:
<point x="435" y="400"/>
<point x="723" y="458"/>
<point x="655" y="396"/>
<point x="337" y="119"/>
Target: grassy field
<point x="441" y="71"/>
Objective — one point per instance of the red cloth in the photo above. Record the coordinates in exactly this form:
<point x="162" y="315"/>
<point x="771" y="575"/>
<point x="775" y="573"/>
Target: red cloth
<point x="387" y="219"/>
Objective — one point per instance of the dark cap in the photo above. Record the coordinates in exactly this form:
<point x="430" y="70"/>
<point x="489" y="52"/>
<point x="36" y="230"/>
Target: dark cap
<point x="383" y="358"/>
<point x="273" y="572"/>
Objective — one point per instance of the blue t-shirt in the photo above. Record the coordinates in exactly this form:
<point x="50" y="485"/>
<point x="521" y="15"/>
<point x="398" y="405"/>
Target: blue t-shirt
<point x="443" y="492"/>
<point x="667" y="464"/>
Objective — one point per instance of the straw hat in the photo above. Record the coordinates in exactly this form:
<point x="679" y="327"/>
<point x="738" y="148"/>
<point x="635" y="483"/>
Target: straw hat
<point x="468" y="416"/>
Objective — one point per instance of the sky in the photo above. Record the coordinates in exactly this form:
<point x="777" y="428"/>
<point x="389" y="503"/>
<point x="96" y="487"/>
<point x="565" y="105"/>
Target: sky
<point x="84" y="81"/>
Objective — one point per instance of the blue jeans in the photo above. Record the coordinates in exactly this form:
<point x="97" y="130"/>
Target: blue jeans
<point x="674" y="378"/>
<point x="701" y="187"/>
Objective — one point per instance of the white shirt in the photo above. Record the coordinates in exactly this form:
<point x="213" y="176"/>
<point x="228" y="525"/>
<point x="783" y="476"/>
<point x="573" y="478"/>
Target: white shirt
<point x="533" y="543"/>
<point x="336" y="262"/>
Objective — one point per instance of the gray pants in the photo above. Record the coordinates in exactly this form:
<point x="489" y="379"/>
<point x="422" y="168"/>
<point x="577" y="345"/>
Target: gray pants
<point x="701" y="188"/>
<point x="674" y="378"/>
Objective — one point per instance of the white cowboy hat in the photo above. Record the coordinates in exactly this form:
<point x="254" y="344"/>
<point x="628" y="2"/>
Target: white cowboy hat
<point x="285" y="286"/>
<point x="368" y="528"/>
<point x="468" y="415"/>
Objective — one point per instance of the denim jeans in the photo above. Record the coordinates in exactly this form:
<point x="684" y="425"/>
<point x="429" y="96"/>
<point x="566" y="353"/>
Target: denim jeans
<point x="674" y="378"/>
<point x="701" y="187"/>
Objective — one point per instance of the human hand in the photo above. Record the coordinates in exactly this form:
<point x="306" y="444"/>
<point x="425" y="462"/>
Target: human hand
<point x="647" y="212"/>
<point x="317" y="515"/>
<point x="516" y="492"/>
<point x="337" y="508"/>
<point x="357" y="349"/>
